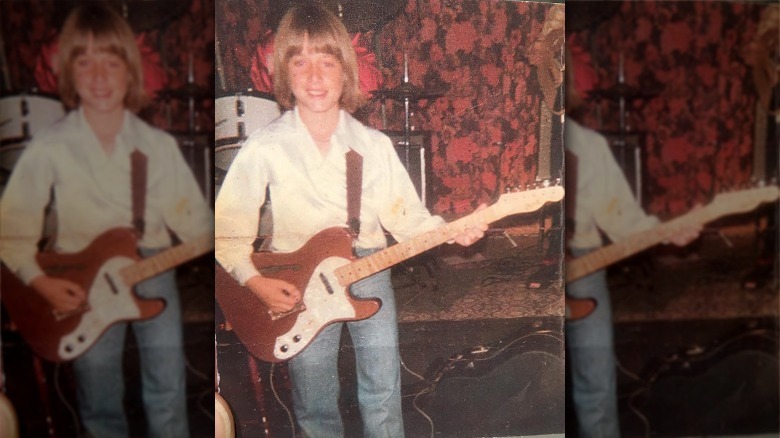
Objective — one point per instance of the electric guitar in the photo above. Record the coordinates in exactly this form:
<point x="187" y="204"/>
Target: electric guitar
<point x="722" y="205"/>
<point x="107" y="270"/>
<point x="324" y="267"/>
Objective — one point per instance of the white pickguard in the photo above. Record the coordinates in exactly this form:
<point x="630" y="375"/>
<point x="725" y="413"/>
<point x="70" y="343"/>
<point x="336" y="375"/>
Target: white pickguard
<point x="107" y="305"/>
<point x="322" y="308"/>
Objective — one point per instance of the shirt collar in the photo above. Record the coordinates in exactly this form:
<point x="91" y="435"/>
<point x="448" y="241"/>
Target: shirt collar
<point x="126" y="140"/>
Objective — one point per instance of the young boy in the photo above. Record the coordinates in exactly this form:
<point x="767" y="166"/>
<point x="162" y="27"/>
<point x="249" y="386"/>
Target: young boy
<point x="85" y="161"/>
<point x="300" y="157"/>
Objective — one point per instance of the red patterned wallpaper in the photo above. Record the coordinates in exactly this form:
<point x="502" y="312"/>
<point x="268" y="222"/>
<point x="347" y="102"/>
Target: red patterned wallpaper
<point x="696" y="128"/>
<point x="484" y="128"/>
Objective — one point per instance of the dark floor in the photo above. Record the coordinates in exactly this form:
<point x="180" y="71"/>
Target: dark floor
<point x="697" y="353"/>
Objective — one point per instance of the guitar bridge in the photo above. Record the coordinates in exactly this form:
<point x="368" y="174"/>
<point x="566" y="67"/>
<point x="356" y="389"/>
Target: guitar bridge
<point x="59" y="316"/>
<point x="299" y="307"/>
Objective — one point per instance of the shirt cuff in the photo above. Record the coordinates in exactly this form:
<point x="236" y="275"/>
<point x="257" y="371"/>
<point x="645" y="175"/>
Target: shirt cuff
<point x="28" y="273"/>
<point x="244" y="271"/>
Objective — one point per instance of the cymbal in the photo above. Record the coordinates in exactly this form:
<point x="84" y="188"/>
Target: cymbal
<point x="184" y="93"/>
<point x="624" y="91"/>
<point x="407" y="91"/>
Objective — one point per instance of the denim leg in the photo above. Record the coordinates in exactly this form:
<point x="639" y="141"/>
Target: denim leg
<point x="161" y="351"/>
<point x="100" y="386"/>
<point x="315" y="386"/>
<point x="378" y="361"/>
<point x="592" y="362"/>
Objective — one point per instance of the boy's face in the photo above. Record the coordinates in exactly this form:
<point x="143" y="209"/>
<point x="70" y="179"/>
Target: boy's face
<point x="316" y="80"/>
<point x="101" y="80"/>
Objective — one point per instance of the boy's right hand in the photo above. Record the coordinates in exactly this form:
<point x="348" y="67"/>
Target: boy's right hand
<point x="278" y="295"/>
<point x="64" y="296"/>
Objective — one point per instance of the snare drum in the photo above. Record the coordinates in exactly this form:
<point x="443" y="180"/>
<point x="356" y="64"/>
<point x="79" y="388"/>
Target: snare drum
<point x="238" y="115"/>
<point x="23" y="115"/>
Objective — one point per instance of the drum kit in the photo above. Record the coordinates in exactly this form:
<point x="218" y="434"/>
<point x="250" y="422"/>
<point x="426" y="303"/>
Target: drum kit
<point x="236" y="115"/>
<point x="21" y="116"/>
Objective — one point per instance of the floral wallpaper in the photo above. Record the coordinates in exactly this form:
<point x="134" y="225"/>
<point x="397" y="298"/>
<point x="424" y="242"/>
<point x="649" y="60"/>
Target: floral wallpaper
<point x="176" y="37"/>
<point x="476" y="56"/>
<point x="694" y="105"/>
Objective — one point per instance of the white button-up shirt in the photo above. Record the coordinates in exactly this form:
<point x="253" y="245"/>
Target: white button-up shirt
<point x="93" y="191"/>
<point x="604" y="199"/>
<point x="308" y="191"/>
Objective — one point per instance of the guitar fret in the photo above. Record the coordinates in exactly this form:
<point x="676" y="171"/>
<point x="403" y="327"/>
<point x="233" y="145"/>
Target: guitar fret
<point x="399" y="252"/>
<point x="165" y="260"/>
<point x="607" y="255"/>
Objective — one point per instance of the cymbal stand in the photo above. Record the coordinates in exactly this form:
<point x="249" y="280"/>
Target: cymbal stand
<point x="407" y="143"/>
<point x="622" y="142"/>
<point x="407" y="113"/>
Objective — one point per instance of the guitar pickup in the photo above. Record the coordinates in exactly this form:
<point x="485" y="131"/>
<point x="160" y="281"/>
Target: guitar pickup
<point x="299" y="307"/>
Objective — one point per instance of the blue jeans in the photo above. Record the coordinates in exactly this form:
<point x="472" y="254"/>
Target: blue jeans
<point x="100" y="380"/>
<point x="315" y="378"/>
<point x="592" y="359"/>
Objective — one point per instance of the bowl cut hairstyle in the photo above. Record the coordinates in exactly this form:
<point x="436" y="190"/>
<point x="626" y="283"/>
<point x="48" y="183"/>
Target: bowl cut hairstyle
<point x="326" y="34"/>
<point x="107" y="32"/>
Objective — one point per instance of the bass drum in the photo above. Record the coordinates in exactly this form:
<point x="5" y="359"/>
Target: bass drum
<point x="236" y="116"/>
<point x="239" y="114"/>
<point x="22" y="115"/>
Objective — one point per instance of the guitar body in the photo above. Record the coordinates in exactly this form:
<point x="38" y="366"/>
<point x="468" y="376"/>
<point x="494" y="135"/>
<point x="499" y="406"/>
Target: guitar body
<point x="326" y="301"/>
<point x="96" y="269"/>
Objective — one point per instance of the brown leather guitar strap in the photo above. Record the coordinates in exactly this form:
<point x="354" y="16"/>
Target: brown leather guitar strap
<point x="354" y="188"/>
<point x="138" y="169"/>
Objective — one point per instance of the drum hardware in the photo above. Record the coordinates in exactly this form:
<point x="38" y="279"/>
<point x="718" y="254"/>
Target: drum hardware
<point x="185" y="93"/>
<point x="25" y="114"/>
<point x="189" y="93"/>
<point x="623" y="93"/>
<point x="621" y="90"/>
<point x="239" y="114"/>
<point x="406" y="93"/>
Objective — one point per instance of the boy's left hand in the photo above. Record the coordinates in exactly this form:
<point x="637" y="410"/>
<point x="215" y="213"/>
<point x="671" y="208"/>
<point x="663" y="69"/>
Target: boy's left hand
<point x="472" y="233"/>
<point x="685" y="235"/>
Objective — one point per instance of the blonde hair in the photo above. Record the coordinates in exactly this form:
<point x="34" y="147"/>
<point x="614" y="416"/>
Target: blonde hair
<point x="108" y="33"/>
<point x="326" y="34"/>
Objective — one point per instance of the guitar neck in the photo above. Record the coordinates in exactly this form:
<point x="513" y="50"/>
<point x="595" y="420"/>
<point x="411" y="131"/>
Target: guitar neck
<point x="610" y="254"/>
<point x="397" y="253"/>
<point x="166" y="260"/>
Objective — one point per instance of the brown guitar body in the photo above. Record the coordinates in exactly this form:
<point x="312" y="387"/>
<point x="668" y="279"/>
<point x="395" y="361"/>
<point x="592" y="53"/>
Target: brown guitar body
<point x="326" y="300"/>
<point x="91" y="268"/>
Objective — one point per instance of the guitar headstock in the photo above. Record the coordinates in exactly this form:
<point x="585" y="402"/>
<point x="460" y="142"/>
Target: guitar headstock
<point x="528" y="200"/>
<point x="744" y="200"/>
